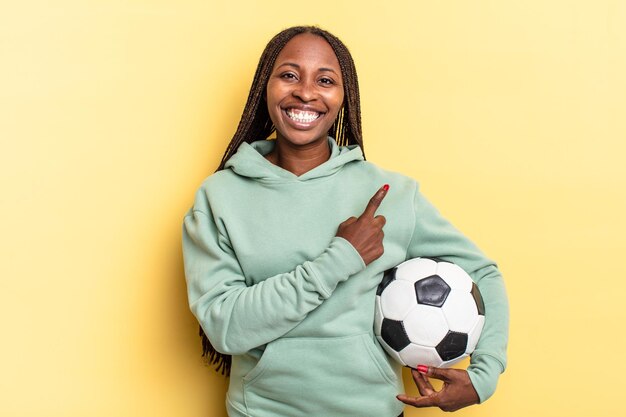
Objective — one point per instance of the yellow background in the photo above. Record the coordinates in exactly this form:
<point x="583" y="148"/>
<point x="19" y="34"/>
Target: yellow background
<point x="511" y="114"/>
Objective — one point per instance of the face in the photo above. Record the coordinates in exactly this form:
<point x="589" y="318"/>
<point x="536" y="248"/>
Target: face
<point x="305" y="90"/>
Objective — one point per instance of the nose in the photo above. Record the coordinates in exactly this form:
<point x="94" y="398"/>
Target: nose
<point x="305" y="90"/>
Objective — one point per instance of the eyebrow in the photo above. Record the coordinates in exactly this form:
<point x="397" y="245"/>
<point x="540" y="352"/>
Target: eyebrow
<point x="291" y="64"/>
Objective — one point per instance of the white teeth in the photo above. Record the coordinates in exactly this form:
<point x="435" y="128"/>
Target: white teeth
<point x="302" y="116"/>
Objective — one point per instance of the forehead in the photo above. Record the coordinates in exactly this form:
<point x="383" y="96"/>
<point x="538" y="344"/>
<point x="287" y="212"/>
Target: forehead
<point x="310" y="49"/>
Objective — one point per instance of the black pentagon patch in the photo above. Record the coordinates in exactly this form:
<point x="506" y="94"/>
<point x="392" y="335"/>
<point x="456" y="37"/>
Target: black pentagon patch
<point x="452" y="346"/>
<point x="478" y="299"/>
<point x="389" y="276"/>
<point x="394" y="335"/>
<point x="432" y="291"/>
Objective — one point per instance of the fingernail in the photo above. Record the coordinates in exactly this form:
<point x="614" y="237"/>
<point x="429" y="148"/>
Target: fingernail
<point x="422" y="369"/>
<point x="386" y="187"/>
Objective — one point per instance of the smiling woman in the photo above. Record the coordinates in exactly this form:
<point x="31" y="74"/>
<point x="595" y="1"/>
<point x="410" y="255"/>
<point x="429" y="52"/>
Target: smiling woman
<point x="284" y="249"/>
<point x="256" y="121"/>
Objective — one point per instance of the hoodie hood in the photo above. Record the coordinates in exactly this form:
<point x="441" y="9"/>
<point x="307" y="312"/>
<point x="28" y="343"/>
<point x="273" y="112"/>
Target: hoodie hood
<point x="249" y="161"/>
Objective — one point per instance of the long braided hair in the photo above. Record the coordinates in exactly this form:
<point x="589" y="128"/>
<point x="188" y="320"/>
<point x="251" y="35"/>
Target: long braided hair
<point x="255" y="124"/>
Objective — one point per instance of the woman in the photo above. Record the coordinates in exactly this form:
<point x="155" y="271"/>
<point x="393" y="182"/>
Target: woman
<point x="286" y="244"/>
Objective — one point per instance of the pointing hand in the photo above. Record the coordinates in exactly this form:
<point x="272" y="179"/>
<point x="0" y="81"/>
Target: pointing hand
<point x="365" y="233"/>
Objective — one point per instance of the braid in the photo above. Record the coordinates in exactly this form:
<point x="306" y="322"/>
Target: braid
<point x="255" y="124"/>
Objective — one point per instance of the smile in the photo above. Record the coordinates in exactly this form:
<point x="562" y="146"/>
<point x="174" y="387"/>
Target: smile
<point x="302" y="116"/>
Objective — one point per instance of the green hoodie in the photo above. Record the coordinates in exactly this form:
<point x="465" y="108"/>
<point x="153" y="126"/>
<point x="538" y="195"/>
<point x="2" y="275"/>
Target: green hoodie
<point x="272" y="285"/>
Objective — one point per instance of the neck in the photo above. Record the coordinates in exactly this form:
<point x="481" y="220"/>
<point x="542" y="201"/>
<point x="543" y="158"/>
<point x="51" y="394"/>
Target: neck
<point x="299" y="159"/>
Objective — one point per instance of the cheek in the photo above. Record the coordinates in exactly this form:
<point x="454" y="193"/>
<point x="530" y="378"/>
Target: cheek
<point x="337" y="102"/>
<point x="271" y="99"/>
<point x="272" y="92"/>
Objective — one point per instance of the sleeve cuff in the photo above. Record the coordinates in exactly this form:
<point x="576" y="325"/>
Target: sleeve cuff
<point x="484" y="371"/>
<point x="340" y="261"/>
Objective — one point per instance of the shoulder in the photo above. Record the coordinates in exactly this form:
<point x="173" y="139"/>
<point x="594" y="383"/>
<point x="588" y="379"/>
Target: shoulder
<point x="213" y="188"/>
<point x="218" y="180"/>
<point x="395" y="179"/>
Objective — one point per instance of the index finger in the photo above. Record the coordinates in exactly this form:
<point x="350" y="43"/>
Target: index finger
<point x="421" y="402"/>
<point x="375" y="201"/>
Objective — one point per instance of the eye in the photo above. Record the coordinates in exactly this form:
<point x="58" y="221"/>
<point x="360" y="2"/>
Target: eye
<point x="326" y="81"/>
<point x="288" y="76"/>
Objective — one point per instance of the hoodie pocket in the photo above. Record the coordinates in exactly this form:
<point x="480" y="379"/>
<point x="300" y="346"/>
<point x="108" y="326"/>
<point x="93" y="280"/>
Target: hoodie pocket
<point x="322" y="376"/>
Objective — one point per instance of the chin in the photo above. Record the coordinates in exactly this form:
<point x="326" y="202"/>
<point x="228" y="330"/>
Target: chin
<point x="302" y="140"/>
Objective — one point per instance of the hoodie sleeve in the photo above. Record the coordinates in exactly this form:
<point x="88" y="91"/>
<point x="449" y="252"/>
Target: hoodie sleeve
<point x="433" y="236"/>
<point x="237" y="318"/>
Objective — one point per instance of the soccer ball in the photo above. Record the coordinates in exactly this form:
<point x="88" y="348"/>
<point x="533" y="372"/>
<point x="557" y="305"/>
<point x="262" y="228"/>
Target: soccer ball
<point x="428" y="312"/>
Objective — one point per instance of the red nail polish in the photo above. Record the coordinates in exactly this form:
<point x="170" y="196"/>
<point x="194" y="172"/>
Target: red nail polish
<point x="386" y="187"/>
<point x="422" y="369"/>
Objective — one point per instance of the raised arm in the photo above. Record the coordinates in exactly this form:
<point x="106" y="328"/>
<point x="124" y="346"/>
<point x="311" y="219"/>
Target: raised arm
<point x="237" y="317"/>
